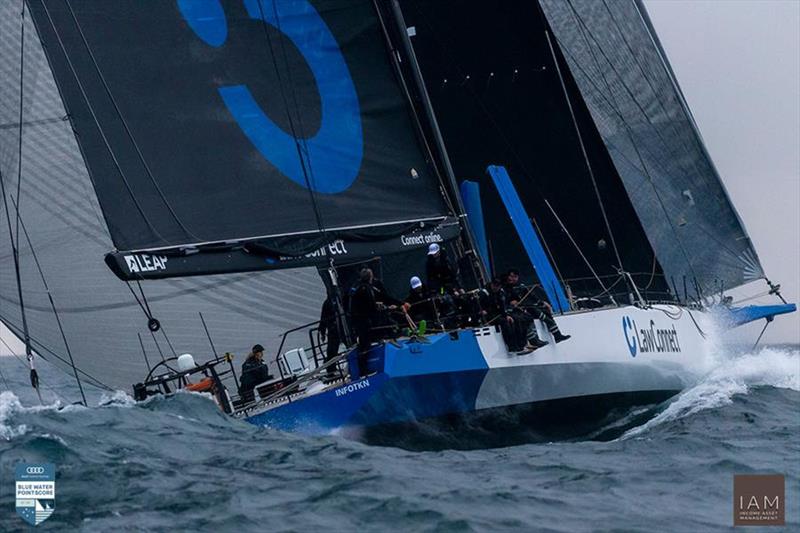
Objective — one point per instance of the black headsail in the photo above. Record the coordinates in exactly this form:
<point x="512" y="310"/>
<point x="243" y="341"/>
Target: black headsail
<point x="241" y="135"/>
<point x="634" y="99"/>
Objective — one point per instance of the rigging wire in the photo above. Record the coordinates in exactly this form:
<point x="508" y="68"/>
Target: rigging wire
<point x="304" y="161"/>
<point x="34" y="376"/>
<point x="584" y="152"/>
<point x="153" y="324"/>
<point x="15" y="236"/>
<point x="21" y="109"/>
<point x="19" y="222"/>
<point x="301" y="138"/>
<point x="584" y="31"/>
<point x="394" y="54"/>
<point x="100" y="130"/>
<point x="125" y="124"/>
<point x="3" y="377"/>
<point x="652" y="274"/>
<point x="22" y="362"/>
<point x="44" y="348"/>
<point x="488" y="113"/>
<point x="764" y="330"/>
<point x="578" y="248"/>
<point x="50" y="299"/>
<point x="547" y="249"/>
<point x="158" y="347"/>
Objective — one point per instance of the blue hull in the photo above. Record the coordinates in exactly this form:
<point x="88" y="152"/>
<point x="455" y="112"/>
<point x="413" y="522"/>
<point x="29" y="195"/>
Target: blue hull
<point x="448" y="376"/>
<point x="415" y="381"/>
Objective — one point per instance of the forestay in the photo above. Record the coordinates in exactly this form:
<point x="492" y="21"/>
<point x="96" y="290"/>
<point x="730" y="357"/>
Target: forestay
<point x="633" y="96"/>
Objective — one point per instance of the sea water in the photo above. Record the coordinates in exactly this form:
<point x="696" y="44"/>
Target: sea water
<point x="178" y="464"/>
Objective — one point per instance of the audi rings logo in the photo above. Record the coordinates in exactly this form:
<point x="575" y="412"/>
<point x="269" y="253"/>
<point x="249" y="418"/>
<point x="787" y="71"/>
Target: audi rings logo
<point x="35" y="491"/>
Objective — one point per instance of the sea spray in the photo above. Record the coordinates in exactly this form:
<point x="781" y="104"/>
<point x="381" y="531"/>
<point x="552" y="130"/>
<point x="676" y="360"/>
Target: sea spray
<point x="9" y="404"/>
<point x="732" y="375"/>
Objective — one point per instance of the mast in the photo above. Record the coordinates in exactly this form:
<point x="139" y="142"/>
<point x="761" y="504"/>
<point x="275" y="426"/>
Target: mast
<point x="437" y="134"/>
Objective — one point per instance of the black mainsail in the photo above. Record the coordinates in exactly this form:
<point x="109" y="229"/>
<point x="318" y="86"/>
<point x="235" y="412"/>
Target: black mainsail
<point x="143" y="135"/>
<point x="273" y="125"/>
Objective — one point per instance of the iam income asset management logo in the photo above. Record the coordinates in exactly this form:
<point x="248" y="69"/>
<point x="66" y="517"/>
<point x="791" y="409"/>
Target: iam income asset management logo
<point x="36" y="491"/>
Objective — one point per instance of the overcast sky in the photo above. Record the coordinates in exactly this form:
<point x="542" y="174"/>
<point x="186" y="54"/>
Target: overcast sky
<point x="738" y="63"/>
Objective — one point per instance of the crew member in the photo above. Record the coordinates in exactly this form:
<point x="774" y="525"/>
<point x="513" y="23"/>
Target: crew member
<point x="534" y="302"/>
<point x="440" y="274"/>
<point x="329" y="330"/>
<point x="366" y="308"/>
<point x="419" y="303"/>
<point x="254" y="372"/>
<point x="494" y="310"/>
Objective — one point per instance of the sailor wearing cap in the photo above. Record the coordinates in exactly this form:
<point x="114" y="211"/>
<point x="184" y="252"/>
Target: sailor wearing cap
<point x="441" y="275"/>
<point x="419" y="302"/>
<point x="254" y="371"/>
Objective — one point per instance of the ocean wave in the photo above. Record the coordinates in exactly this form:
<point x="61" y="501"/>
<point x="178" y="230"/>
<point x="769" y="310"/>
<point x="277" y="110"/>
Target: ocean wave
<point x="9" y="404"/>
<point x="117" y="398"/>
<point x="730" y="376"/>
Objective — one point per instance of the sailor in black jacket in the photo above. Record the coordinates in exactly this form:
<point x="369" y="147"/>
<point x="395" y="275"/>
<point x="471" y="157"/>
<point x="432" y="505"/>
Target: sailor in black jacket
<point x="495" y="311"/>
<point x="533" y="302"/>
<point x="254" y="372"/>
<point x="441" y="275"/>
<point x="329" y="330"/>
<point x="419" y="303"/>
<point x="368" y="302"/>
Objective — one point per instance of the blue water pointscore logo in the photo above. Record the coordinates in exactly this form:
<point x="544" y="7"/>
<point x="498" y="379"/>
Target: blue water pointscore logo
<point x="630" y="334"/>
<point x="337" y="148"/>
<point x="36" y="491"/>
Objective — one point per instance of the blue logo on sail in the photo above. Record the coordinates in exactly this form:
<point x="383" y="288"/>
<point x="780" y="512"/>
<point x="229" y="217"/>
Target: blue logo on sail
<point x="332" y="157"/>
<point x="627" y="330"/>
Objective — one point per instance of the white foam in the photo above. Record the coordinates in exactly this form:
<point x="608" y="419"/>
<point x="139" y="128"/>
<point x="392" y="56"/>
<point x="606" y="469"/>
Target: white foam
<point x="729" y="376"/>
<point x="56" y="438"/>
<point x="9" y="404"/>
<point x="117" y="398"/>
